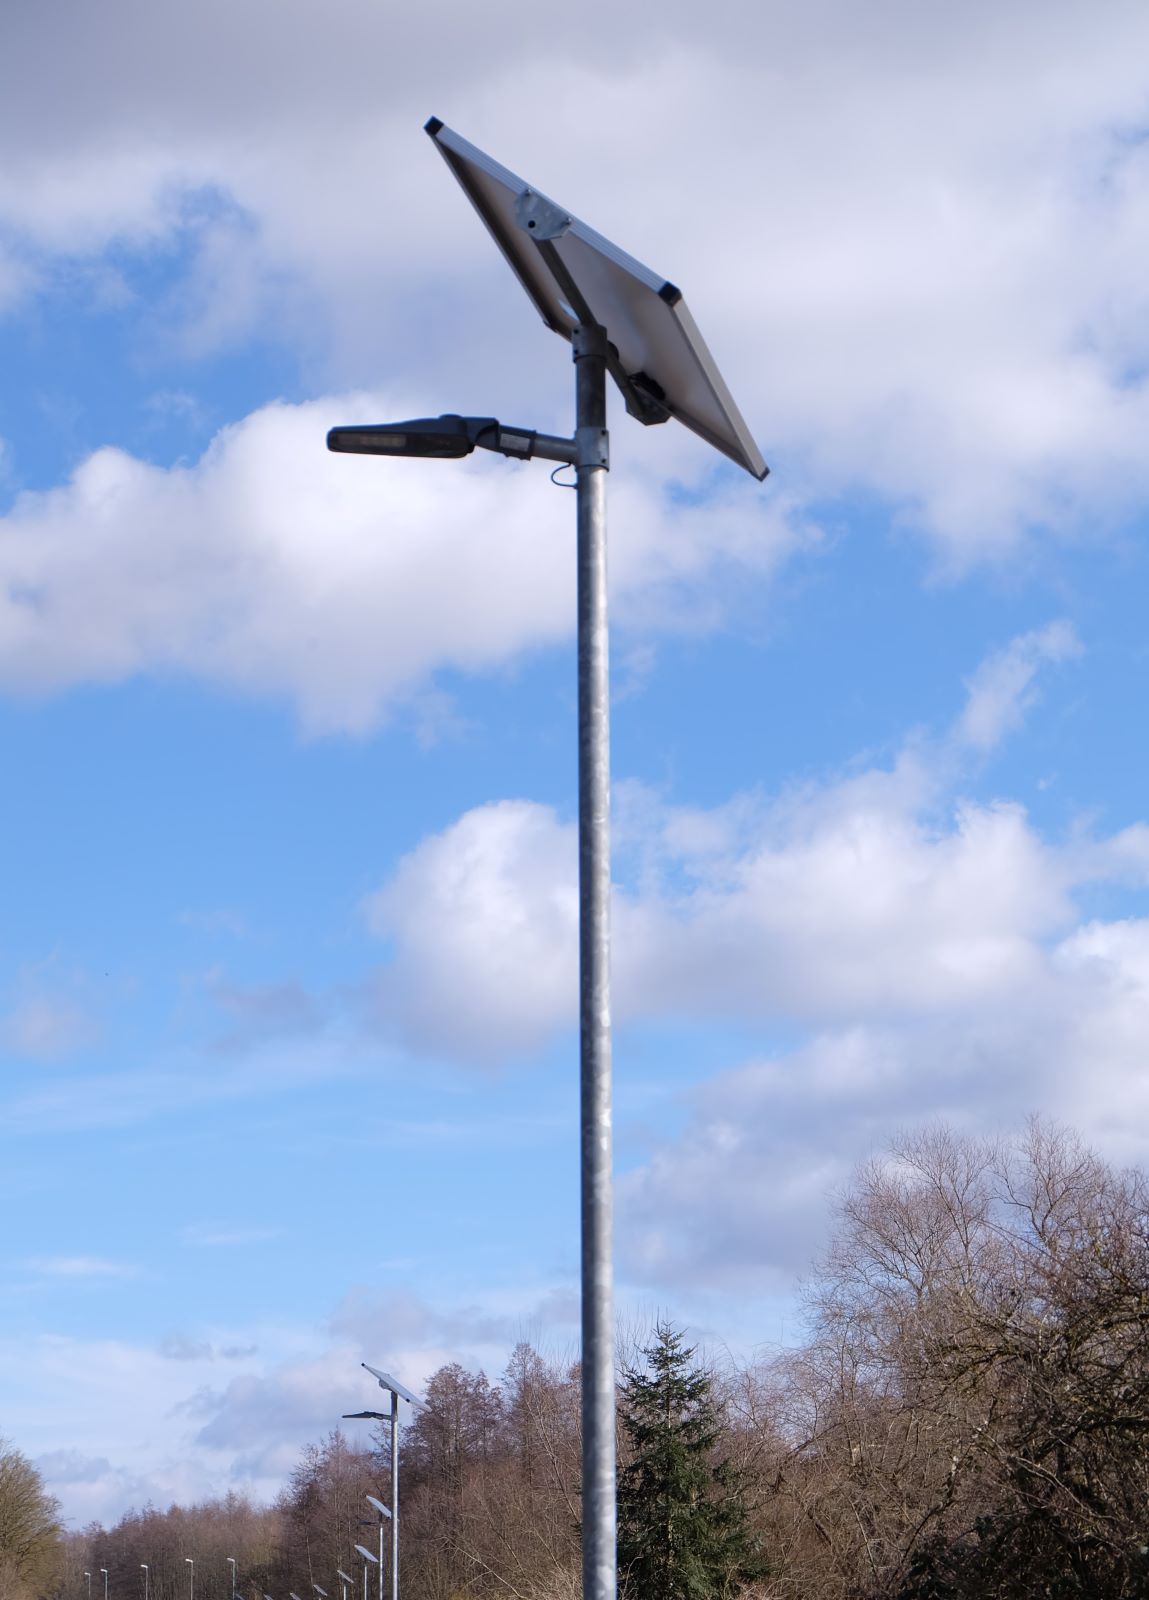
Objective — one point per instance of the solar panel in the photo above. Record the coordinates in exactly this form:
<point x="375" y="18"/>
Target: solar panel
<point x="394" y="1385"/>
<point x="573" y="274"/>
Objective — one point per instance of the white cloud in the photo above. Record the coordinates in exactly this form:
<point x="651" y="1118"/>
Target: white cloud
<point x="932" y="949"/>
<point x="741" y="1195"/>
<point x="1001" y="691"/>
<point x="340" y="584"/>
<point x="81" y="1267"/>
<point x="484" y="917"/>
<point x="879" y="894"/>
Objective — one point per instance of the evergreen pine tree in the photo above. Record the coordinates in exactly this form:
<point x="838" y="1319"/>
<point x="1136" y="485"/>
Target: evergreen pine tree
<point x="682" y="1518"/>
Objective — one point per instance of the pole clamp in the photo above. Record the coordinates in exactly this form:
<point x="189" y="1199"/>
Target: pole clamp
<point x="592" y="447"/>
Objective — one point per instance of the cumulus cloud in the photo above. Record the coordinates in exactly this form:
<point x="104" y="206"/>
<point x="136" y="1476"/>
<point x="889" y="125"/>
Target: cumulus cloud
<point x="878" y="894"/>
<point x="741" y="1195"/>
<point x="931" y="949"/>
<point x="280" y="570"/>
<point x="484" y="920"/>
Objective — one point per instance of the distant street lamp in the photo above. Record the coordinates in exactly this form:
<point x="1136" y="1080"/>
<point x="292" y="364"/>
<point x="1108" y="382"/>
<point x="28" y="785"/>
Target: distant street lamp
<point x="104" y="1570"/>
<point x="144" y="1570"/>
<point x="368" y="1557"/>
<point x="88" y="1575"/>
<point x="231" y="1564"/>
<point x="344" y="1579"/>
<point x="384" y="1516"/>
<point x="322" y="1593"/>
<point x="397" y="1392"/>
<point x="191" y="1576"/>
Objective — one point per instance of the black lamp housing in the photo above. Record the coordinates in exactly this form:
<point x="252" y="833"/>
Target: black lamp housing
<point x="446" y="437"/>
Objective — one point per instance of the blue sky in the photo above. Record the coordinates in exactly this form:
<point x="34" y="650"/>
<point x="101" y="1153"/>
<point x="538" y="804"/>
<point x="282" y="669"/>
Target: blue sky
<point x="287" y="951"/>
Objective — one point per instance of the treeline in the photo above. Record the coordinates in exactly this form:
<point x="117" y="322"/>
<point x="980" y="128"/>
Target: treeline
<point x="968" y="1416"/>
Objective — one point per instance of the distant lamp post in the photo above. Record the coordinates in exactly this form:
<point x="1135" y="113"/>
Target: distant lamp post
<point x="397" y="1392"/>
<point x="231" y="1564"/>
<point x="191" y="1576"/>
<point x="368" y="1558"/>
<point x="322" y="1593"/>
<point x="104" y="1572"/>
<point x="144" y="1570"/>
<point x="88" y="1575"/>
<point x="384" y="1516"/>
<point x="344" y="1580"/>
<point x="379" y="1416"/>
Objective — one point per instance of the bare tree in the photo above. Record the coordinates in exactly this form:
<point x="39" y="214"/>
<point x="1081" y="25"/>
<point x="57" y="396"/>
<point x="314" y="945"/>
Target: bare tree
<point x="29" y="1528"/>
<point x="973" y="1403"/>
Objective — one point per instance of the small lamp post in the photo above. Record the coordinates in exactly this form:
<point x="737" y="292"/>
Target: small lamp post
<point x="191" y="1576"/>
<point x="88" y="1575"/>
<point x="384" y="1516"/>
<point x="104" y="1573"/>
<point x="344" y="1579"/>
<point x="231" y="1564"/>
<point x="368" y="1558"/>
<point x="144" y="1570"/>
<point x="384" y="1379"/>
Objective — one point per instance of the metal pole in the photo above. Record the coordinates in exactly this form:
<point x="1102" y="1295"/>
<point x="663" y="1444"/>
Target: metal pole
<point x="598" y="1421"/>
<point x="394" y="1506"/>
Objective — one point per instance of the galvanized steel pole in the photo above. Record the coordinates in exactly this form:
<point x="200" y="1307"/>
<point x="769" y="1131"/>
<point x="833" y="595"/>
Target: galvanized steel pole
<point x="394" y="1506"/>
<point x="598" y="1422"/>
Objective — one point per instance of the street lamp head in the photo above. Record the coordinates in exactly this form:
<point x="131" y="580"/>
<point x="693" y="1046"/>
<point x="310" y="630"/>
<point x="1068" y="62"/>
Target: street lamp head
<point x="366" y="1416"/>
<point x="379" y="1506"/>
<point x="445" y="437"/>
<point x="366" y="1554"/>
<point x="339" y="1573"/>
<point x="449" y="437"/>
